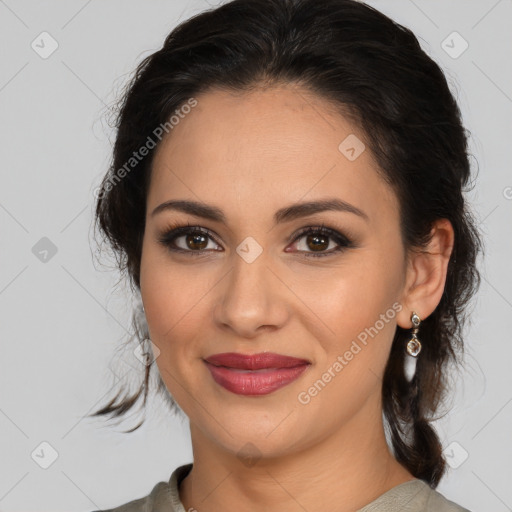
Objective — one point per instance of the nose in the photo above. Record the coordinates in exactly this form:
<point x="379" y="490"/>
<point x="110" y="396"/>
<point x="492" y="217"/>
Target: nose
<point x="252" y="299"/>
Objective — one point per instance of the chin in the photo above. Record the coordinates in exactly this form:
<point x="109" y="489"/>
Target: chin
<point x="244" y="432"/>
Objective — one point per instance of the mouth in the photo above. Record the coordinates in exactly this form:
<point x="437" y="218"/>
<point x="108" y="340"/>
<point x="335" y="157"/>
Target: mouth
<point x="254" y="374"/>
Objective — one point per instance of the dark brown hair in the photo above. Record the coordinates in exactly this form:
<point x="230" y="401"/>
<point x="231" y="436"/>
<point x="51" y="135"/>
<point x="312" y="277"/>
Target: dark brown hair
<point x="371" y="69"/>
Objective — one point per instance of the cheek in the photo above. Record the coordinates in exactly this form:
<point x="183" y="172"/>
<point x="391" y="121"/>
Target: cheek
<point x="173" y="313"/>
<point x="176" y="298"/>
<point x="352" y="294"/>
<point x="355" y="306"/>
<point x="176" y="304"/>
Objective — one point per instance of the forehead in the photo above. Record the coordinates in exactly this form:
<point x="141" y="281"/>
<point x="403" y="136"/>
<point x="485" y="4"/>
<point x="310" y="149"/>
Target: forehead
<point x="255" y="151"/>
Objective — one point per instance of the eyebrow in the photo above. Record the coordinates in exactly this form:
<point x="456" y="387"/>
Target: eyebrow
<point x="286" y="214"/>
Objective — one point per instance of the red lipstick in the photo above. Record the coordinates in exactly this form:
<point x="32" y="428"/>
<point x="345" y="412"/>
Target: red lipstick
<point x="254" y="374"/>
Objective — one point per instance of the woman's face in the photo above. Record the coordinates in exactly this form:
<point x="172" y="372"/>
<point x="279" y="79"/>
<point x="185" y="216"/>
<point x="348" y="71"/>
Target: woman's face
<point x="255" y="281"/>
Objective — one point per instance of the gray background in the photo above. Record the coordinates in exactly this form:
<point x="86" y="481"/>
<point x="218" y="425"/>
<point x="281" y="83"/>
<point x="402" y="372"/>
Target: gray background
<point x="63" y="320"/>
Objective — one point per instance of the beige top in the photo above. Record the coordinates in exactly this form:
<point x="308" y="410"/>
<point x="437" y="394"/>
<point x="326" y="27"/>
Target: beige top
<point x="412" y="496"/>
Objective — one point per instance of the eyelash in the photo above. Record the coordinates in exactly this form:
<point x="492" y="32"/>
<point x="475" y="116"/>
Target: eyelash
<point x="168" y="237"/>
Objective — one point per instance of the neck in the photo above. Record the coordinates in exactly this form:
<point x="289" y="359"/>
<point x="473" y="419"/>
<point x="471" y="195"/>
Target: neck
<point x="342" y="473"/>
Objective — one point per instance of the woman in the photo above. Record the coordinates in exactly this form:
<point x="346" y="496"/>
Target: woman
<point x="286" y="194"/>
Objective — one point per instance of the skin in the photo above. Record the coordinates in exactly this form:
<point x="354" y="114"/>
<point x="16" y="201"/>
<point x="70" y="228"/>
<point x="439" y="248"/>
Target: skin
<point x="251" y="154"/>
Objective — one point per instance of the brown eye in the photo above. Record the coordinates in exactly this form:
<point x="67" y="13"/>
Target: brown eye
<point x="318" y="239"/>
<point x="196" y="240"/>
<point x="317" y="242"/>
<point x="191" y="239"/>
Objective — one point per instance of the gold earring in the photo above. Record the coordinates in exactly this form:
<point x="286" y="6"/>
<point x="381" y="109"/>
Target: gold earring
<point x="414" y="345"/>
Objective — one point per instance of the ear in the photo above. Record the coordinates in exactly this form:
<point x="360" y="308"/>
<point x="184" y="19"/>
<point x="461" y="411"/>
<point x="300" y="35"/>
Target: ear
<point x="426" y="274"/>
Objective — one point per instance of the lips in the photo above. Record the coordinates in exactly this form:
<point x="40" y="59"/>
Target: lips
<point x="255" y="374"/>
<point x="254" y="361"/>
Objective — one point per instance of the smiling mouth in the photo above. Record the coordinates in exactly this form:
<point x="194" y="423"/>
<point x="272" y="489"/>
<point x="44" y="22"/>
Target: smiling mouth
<point x="254" y="374"/>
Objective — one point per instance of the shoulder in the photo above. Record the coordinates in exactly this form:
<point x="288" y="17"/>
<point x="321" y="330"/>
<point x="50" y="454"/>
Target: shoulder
<point x="164" y="497"/>
<point x="413" y="496"/>
<point x="425" y="499"/>
<point x="149" y="503"/>
<point x="439" y="503"/>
